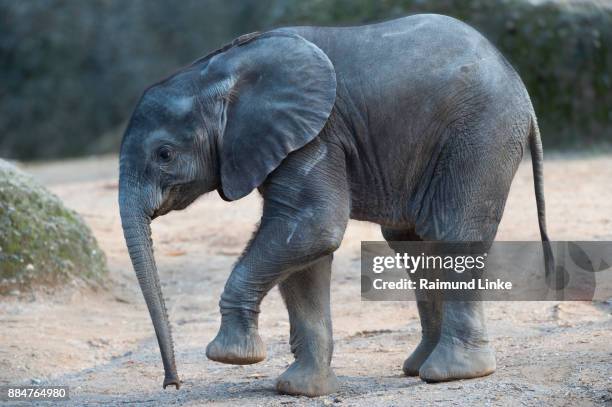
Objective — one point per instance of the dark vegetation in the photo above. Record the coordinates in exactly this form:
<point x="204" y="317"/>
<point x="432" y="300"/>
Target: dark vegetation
<point x="71" y="71"/>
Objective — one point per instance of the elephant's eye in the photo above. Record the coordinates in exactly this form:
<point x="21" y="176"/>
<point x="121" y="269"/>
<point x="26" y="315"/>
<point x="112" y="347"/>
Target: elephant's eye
<point x="164" y="153"/>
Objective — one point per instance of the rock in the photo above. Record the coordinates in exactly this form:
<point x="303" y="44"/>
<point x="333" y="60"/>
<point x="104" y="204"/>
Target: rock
<point x="41" y="241"/>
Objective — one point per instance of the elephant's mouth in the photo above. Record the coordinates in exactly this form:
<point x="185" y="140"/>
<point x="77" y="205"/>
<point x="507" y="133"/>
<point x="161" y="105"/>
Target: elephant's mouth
<point x="178" y="197"/>
<point x="161" y="211"/>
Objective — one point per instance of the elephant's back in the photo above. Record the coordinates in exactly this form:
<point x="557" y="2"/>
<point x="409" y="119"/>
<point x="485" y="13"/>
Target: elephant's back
<point x="409" y="72"/>
<point x="407" y="55"/>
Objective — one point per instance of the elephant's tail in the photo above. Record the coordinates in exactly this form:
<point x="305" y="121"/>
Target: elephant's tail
<point x="537" y="162"/>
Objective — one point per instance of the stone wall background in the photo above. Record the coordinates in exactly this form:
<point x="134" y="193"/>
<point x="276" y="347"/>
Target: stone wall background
<point x="71" y="71"/>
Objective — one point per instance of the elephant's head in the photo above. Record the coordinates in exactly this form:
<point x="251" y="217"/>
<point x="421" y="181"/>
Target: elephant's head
<point x="225" y="122"/>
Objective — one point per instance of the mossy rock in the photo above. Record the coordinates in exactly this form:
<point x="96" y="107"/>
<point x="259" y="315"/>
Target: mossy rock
<point x="41" y="241"/>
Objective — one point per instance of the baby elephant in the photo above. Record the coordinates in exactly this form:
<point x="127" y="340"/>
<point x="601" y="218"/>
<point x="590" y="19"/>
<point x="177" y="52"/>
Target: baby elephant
<point x="417" y="124"/>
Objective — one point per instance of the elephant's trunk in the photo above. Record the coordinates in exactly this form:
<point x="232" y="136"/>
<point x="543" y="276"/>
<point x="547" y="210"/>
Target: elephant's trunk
<point x="137" y="231"/>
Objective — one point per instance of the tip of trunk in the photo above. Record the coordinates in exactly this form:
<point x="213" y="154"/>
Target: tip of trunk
<point x="172" y="381"/>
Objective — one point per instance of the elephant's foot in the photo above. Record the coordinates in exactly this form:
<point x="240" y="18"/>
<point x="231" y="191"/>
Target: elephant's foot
<point x="418" y="356"/>
<point x="306" y="380"/>
<point x="455" y="361"/>
<point x="237" y="343"/>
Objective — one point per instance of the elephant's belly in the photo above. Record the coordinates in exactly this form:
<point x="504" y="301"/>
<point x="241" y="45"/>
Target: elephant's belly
<point x="393" y="213"/>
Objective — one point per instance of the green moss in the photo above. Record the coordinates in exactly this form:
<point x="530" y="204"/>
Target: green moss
<point x="41" y="241"/>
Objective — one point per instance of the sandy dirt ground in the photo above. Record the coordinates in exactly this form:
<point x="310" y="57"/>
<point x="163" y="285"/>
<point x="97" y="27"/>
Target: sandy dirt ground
<point x="100" y="342"/>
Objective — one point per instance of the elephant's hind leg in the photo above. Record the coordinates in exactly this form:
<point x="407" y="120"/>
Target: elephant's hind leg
<point x="463" y="351"/>
<point x="465" y="203"/>
<point x="306" y="294"/>
<point x="429" y="306"/>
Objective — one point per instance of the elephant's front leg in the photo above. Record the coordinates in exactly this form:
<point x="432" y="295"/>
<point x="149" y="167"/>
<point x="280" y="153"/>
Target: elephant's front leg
<point x="306" y="294"/>
<point x="306" y="209"/>
<point x="279" y="248"/>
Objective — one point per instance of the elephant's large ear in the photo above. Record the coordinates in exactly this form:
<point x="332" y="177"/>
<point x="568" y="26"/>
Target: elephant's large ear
<point x="281" y="92"/>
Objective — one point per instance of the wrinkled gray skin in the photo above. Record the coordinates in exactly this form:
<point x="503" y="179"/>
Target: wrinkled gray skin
<point x="417" y="124"/>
